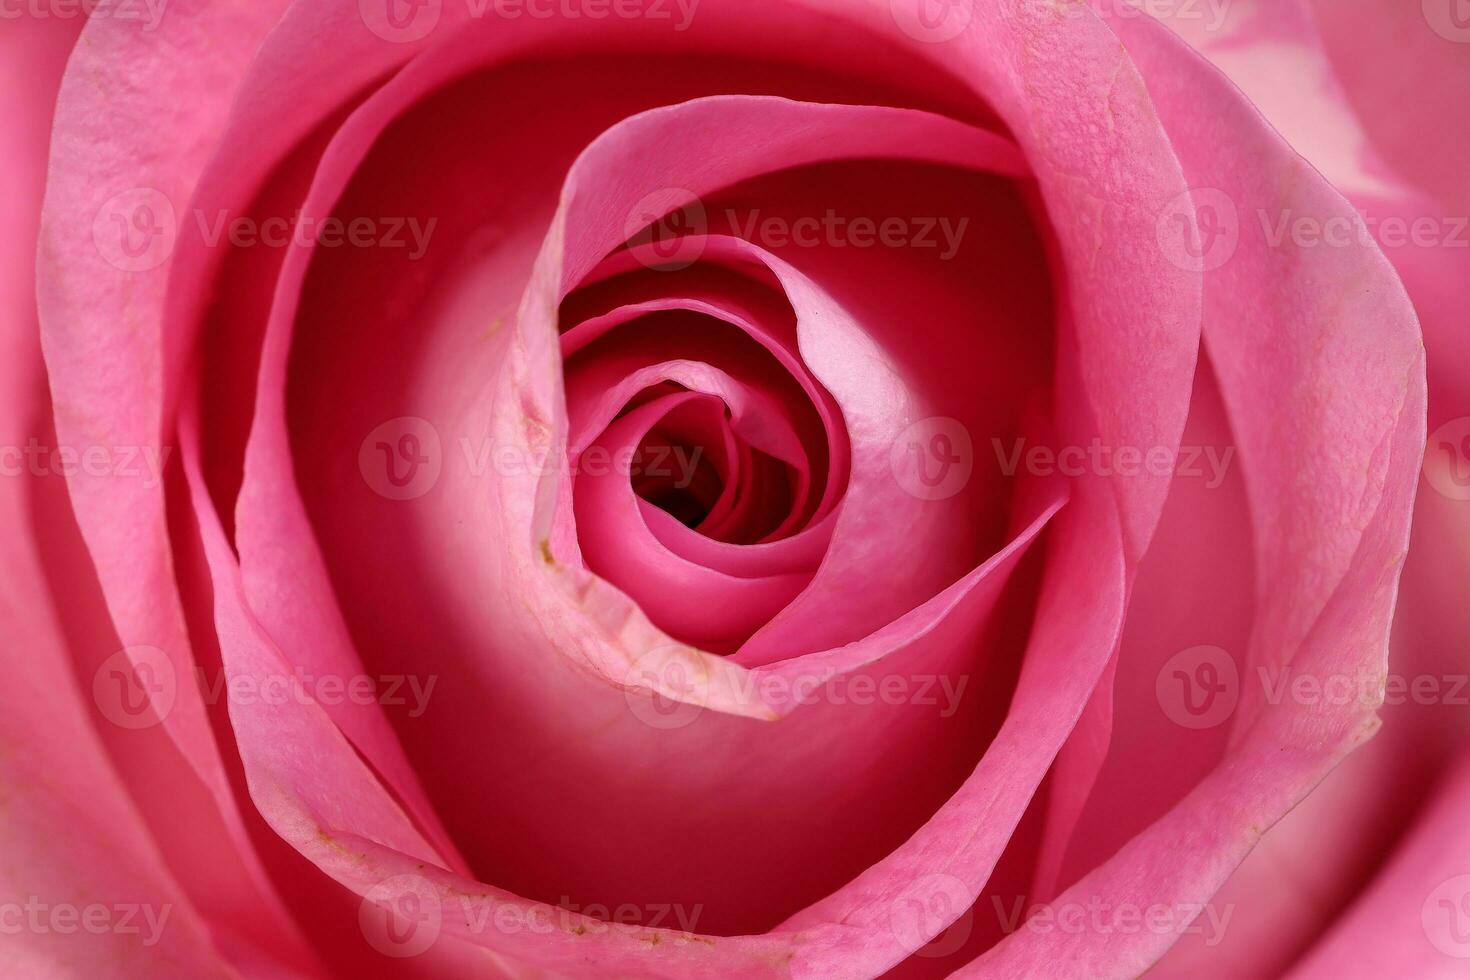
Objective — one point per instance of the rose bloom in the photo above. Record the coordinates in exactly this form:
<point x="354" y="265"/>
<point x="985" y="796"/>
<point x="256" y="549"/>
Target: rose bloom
<point x="734" y="488"/>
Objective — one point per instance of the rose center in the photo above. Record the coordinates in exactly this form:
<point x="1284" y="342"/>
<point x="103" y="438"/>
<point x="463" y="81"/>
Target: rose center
<point x="695" y="467"/>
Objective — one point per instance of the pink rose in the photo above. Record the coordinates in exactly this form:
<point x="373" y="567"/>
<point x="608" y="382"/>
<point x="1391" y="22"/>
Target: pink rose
<point x="716" y="488"/>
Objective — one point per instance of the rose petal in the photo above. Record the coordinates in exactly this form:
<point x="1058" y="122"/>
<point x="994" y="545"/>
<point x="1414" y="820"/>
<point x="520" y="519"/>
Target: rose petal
<point x="106" y="383"/>
<point x="1328" y="547"/>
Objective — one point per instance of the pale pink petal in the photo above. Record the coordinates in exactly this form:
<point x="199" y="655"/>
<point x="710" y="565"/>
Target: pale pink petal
<point x="1327" y="548"/>
<point x="1405" y="70"/>
<point x="119" y="161"/>
<point x="492" y="513"/>
<point x="77" y="848"/>
<point x="1417" y="907"/>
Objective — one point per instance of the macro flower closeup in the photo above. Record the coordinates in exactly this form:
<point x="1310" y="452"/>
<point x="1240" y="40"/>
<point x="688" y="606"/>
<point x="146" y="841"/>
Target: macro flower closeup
<point x="735" y="488"/>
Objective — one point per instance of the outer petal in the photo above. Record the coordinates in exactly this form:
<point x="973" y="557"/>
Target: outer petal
<point x="1302" y="65"/>
<point x="1298" y="331"/>
<point x="1168" y="347"/>
<point x="120" y="160"/>
<point x="1405" y="69"/>
<point x="1417" y="908"/>
<point x="72" y="839"/>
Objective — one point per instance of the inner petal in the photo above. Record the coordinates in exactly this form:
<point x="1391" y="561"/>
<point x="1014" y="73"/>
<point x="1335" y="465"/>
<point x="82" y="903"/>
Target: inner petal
<point x="618" y="545"/>
<point x="738" y="330"/>
<point x="475" y="629"/>
<point x="688" y="463"/>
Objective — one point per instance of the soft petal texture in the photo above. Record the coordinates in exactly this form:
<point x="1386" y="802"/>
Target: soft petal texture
<point x="1302" y="68"/>
<point x="522" y="590"/>
<point x="228" y="635"/>
<point x="1415" y="907"/>
<point x="71" y="831"/>
<point x="1403" y="110"/>
<point x="1019" y="791"/>
<point x="1300" y="606"/>
<point x="106" y="161"/>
